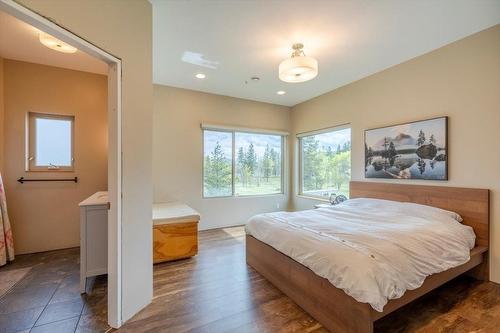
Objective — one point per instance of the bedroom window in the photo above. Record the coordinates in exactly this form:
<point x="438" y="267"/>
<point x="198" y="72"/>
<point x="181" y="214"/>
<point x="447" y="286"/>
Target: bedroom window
<point x="258" y="164"/>
<point x="50" y="142"/>
<point x="217" y="164"/>
<point x="239" y="163"/>
<point x="325" y="162"/>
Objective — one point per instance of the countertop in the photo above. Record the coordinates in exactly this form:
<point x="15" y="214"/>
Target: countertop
<point x="96" y="199"/>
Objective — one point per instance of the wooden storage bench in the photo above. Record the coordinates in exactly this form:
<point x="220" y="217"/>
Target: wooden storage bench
<point x="175" y="231"/>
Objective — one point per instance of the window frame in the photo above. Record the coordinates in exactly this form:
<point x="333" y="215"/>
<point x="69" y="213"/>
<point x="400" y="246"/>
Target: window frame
<point x="233" y="132"/>
<point x="31" y="142"/>
<point x="300" y="163"/>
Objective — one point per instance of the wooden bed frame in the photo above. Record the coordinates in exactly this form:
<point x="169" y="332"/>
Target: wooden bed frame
<point x="339" y="312"/>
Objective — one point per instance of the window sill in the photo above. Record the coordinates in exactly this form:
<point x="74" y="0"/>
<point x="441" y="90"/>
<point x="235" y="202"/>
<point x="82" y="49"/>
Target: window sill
<point x="309" y="197"/>
<point x="246" y="196"/>
<point x="259" y="195"/>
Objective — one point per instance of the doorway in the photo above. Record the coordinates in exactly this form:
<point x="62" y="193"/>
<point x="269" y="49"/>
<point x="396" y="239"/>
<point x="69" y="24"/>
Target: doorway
<point x="114" y="144"/>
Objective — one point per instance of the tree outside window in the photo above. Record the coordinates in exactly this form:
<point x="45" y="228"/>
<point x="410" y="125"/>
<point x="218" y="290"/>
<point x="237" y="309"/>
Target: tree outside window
<point x="325" y="163"/>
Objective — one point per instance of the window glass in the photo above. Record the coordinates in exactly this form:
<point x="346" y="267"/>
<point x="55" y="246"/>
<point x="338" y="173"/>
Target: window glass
<point x="258" y="164"/>
<point x="217" y="164"/>
<point x="53" y="140"/>
<point x="241" y="164"/>
<point x="326" y="163"/>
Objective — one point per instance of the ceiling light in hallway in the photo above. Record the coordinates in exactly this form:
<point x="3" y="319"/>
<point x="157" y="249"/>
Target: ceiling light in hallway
<point x="55" y="44"/>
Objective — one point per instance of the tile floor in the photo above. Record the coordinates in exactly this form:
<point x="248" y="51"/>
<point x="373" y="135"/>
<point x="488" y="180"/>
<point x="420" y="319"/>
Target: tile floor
<point x="48" y="299"/>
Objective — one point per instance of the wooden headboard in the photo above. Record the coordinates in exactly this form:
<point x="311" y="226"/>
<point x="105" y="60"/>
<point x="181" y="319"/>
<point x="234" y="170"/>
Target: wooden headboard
<point x="471" y="203"/>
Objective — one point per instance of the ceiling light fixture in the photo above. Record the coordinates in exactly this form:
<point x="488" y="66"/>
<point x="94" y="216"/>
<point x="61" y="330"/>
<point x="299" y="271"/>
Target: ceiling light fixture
<point x="200" y="76"/>
<point x="55" y="44"/>
<point x="298" y="68"/>
<point x="281" y="92"/>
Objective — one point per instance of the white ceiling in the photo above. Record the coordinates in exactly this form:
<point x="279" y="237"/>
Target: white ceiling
<point x="19" y="41"/>
<point x="350" y="39"/>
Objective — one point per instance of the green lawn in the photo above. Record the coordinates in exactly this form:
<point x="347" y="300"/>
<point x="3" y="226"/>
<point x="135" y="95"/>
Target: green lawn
<point x="325" y="193"/>
<point x="273" y="186"/>
<point x="263" y="187"/>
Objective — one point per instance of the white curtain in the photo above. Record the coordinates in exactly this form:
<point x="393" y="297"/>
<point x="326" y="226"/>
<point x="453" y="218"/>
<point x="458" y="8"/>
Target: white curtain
<point x="6" y="240"/>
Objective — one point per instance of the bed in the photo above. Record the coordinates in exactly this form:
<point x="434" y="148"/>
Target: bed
<point x="313" y="287"/>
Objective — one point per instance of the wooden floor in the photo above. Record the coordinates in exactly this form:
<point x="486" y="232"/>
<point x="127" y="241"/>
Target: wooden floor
<point x="48" y="298"/>
<point x="217" y="292"/>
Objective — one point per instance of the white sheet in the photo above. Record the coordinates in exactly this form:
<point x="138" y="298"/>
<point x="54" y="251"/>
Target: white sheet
<point x="372" y="249"/>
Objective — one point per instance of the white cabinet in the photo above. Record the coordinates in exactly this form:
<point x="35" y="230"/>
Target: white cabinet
<point x="93" y="237"/>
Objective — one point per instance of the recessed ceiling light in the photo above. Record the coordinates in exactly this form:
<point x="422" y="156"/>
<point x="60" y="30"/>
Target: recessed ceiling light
<point x="55" y="44"/>
<point x="281" y="92"/>
<point x="255" y="78"/>
<point x="200" y="76"/>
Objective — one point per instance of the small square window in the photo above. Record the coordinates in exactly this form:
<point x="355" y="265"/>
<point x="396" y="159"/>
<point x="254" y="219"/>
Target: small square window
<point x="50" y="142"/>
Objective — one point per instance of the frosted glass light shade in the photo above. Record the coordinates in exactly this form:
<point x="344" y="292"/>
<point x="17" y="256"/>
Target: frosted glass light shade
<point x="55" y="44"/>
<point x="298" y="69"/>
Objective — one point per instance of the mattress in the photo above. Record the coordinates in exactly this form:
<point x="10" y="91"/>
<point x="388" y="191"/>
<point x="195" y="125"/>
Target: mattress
<point x="372" y="249"/>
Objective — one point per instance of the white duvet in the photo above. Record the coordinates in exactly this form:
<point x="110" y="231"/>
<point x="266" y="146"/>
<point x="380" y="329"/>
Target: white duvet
<point x="372" y="249"/>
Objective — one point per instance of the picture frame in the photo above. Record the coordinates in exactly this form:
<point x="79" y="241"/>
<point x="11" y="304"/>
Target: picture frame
<point x="412" y="150"/>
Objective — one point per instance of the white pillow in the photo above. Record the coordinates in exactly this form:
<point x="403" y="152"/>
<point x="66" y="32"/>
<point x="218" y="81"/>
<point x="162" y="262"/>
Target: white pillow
<point x="437" y="211"/>
<point x="409" y="208"/>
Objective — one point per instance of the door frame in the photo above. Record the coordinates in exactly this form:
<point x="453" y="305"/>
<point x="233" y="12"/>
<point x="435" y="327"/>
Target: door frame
<point x="114" y="144"/>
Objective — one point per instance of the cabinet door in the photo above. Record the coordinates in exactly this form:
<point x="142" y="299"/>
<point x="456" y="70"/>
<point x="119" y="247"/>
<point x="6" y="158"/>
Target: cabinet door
<point x="97" y="241"/>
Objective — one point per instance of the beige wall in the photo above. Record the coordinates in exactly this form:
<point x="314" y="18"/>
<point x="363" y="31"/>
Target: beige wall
<point x="124" y="29"/>
<point x="177" y="150"/>
<point x="45" y="215"/>
<point x="461" y="80"/>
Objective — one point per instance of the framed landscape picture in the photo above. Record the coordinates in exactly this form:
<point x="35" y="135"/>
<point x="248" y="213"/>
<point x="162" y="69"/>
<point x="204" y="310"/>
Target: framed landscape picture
<point x="416" y="150"/>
